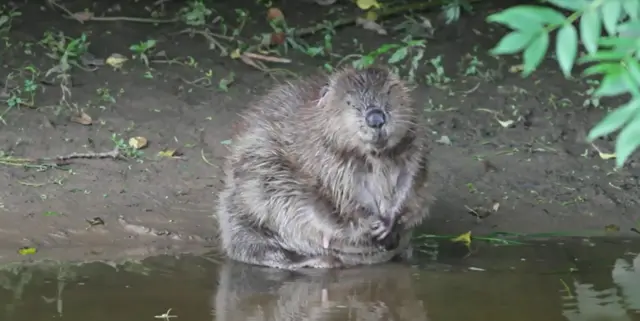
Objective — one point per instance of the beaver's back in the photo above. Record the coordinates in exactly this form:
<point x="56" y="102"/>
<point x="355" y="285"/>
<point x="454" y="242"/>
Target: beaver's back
<point x="274" y="114"/>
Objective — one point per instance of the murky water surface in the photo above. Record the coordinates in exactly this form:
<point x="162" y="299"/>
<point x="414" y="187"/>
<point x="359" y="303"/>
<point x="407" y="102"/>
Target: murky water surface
<point x="572" y="280"/>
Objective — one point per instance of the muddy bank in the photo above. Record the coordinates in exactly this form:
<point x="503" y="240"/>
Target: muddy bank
<point x="534" y="175"/>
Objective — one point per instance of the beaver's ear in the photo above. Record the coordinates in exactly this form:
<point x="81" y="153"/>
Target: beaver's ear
<point x="323" y="95"/>
<point x="324" y="90"/>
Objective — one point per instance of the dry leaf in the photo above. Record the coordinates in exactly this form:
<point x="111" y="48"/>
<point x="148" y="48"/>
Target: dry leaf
<point x="612" y="228"/>
<point x="27" y="250"/>
<point x="606" y="155"/>
<point x="463" y="238"/>
<point x="83" y="16"/>
<point x="236" y="54"/>
<point x="506" y="123"/>
<point x="167" y="153"/>
<point x="367" y="4"/>
<point x="370" y="25"/>
<point x="82" y="118"/>
<point x="116" y="60"/>
<point x="138" y="142"/>
<point x="516" y="68"/>
<point x="444" y="140"/>
<point x="95" y="221"/>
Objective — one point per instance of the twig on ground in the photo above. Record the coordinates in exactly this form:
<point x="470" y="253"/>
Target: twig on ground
<point x="60" y="160"/>
<point x="114" y="154"/>
<point x="252" y="55"/>
<point x="205" y="33"/>
<point x="84" y="16"/>
<point x="206" y="80"/>
<point x="204" y="158"/>
<point x="211" y="37"/>
<point x="343" y="22"/>
<point x="255" y="64"/>
<point x="88" y="16"/>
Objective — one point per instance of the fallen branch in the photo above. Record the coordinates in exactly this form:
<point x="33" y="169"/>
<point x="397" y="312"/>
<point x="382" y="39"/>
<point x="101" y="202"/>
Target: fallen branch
<point x="88" y="16"/>
<point x="343" y="22"/>
<point x="256" y="56"/>
<point x="84" y="16"/>
<point x="211" y="37"/>
<point x="60" y="160"/>
<point x="114" y="154"/>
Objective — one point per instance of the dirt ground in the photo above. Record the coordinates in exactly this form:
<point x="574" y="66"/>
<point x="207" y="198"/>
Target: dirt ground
<point x="534" y="175"/>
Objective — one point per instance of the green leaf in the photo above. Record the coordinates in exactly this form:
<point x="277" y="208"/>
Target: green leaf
<point x="567" y="48"/>
<point x="617" y="43"/>
<point x="611" y="11"/>
<point x="590" y="30"/>
<point x="384" y="48"/>
<point x="632" y="8"/>
<point x="399" y="55"/>
<point x="633" y="66"/>
<point x="534" y="53"/>
<point x="612" y="84"/>
<point x="602" y="68"/>
<point x="629" y="29"/>
<point x="628" y="141"/>
<point x="632" y="85"/>
<point x="572" y="5"/>
<point x="512" y="43"/>
<point x="523" y="17"/>
<point x="614" y="120"/>
<point x="603" y="56"/>
<point x="549" y="15"/>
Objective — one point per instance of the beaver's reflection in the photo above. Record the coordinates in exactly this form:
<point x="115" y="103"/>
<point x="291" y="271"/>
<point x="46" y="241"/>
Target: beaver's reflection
<point x="381" y="292"/>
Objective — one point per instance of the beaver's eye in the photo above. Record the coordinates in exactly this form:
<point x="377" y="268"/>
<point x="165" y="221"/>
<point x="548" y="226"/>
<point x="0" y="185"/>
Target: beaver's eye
<point x="358" y="107"/>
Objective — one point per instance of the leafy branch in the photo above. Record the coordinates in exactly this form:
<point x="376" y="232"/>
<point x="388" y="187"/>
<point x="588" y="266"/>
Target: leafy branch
<point x="614" y="55"/>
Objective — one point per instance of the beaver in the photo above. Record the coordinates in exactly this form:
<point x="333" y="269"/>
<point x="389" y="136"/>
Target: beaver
<point x="326" y="171"/>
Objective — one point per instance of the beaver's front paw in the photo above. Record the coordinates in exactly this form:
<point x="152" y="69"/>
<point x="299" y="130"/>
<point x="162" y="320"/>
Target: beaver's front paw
<point x="391" y="241"/>
<point x="381" y="228"/>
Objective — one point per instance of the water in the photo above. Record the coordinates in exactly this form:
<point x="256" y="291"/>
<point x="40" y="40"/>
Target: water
<point x="569" y="281"/>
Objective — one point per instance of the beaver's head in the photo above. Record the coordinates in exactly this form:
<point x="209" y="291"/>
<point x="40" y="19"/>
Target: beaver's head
<point x="369" y="108"/>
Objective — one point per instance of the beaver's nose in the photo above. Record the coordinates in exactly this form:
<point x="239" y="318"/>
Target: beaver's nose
<point x="375" y="118"/>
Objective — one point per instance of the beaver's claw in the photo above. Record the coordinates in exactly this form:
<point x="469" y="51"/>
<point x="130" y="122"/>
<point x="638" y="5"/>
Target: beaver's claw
<point x="380" y="229"/>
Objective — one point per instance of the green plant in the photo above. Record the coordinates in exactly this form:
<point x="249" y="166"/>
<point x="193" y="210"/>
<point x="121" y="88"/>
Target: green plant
<point x="142" y="49"/>
<point x="438" y="77"/>
<point x="125" y="149"/>
<point x="614" y="56"/>
<point x="67" y="52"/>
<point x="21" y="95"/>
<point x="6" y="17"/>
<point x="453" y="8"/>
<point x="195" y="14"/>
<point x="408" y="54"/>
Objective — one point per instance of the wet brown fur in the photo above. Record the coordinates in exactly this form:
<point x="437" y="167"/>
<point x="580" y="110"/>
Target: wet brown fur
<point x="305" y="168"/>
